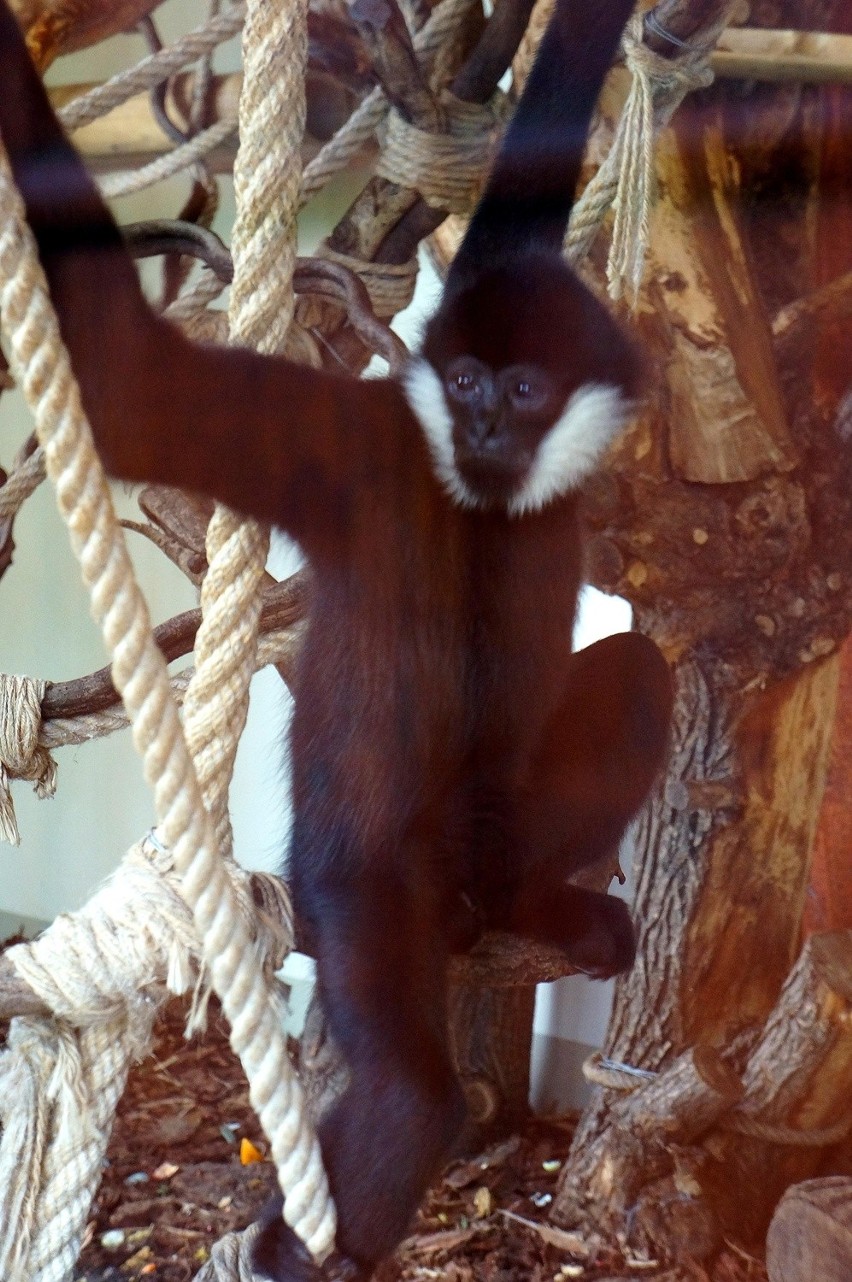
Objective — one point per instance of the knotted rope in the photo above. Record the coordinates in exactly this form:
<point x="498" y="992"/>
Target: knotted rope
<point x="446" y="168"/>
<point x="21" y="754"/>
<point x="443" y="25"/>
<point x="104" y="973"/>
<point x="390" y="286"/>
<point x="625" y="179"/>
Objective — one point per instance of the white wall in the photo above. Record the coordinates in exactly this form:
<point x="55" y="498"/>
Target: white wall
<point x="70" y="843"/>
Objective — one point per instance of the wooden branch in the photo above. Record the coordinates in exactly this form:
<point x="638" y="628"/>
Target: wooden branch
<point x="797" y="1077"/>
<point x="796" y="57"/>
<point x="386" y="36"/>
<point x="131" y="131"/>
<point x="283" y="605"/>
<point x="727" y="422"/>
<point x="833" y="299"/>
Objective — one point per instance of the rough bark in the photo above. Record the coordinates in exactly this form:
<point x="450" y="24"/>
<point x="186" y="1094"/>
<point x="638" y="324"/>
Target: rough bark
<point x="829" y="905"/>
<point x="796" y="1080"/>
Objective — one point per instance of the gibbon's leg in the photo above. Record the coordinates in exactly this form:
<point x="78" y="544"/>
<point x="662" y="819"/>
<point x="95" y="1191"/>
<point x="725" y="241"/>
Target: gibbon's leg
<point x="382" y="977"/>
<point x="600" y="756"/>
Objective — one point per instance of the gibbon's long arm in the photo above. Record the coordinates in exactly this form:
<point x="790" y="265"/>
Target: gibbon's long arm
<point x="211" y="419"/>
<point x="530" y="191"/>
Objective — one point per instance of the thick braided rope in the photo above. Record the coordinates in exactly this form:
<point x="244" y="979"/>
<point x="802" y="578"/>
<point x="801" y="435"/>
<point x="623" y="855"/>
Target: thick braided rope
<point x="216" y="701"/>
<point x="263" y="244"/>
<point x="173" y="162"/>
<point x="446" y="168"/>
<point x="22" y="481"/>
<point x="101" y="972"/>
<point x="21" y="754"/>
<point x="625" y="179"/>
<point x="272" y="116"/>
<point x="59" y="1088"/>
<point x="266" y="180"/>
<point x="339" y="151"/>
<point x="61" y="1078"/>
<point x="152" y="70"/>
<point x="390" y="286"/>
<point x="42" y="368"/>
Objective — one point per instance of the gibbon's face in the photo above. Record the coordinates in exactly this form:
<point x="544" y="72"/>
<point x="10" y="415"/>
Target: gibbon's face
<point x="522" y="382"/>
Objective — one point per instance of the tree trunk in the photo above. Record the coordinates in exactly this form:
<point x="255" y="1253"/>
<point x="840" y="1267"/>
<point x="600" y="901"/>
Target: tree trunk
<point x="728" y="526"/>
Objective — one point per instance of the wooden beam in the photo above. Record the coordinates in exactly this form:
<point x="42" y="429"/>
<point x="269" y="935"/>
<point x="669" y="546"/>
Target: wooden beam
<point x="131" y="132"/>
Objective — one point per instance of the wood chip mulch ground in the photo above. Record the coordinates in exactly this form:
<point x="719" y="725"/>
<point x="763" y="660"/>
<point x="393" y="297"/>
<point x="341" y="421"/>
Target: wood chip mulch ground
<point x="180" y="1173"/>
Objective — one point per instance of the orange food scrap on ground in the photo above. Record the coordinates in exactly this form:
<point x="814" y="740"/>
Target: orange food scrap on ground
<point x="249" y="1152"/>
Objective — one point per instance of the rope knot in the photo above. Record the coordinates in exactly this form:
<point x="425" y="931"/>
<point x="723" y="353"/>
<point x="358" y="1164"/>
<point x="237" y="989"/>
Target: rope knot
<point x="21" y="754"/>
<point x="626" y="177"/>
<point x="446" y="168"/>
<point x="669" y="79"/>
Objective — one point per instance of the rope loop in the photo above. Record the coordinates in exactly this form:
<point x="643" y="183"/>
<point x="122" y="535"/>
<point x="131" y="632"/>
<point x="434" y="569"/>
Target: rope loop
<point x="390" y="286"/>
<point x="21" y="754"/>
<point x="446" y="168"/>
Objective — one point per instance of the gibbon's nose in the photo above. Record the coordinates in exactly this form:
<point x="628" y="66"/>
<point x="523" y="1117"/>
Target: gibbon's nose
<point x="483" y="432"/>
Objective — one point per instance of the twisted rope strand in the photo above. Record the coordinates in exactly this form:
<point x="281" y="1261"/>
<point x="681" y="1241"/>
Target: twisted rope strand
<point x="21" y="482"/>
<point x="127" y="181"/>
<point x="152" y="70"/>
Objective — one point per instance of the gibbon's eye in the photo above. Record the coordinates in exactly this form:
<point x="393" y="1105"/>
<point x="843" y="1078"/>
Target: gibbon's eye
<point x="467" y="380"/>
<point x="466" y="384"/>
<point x="528" y="390"/>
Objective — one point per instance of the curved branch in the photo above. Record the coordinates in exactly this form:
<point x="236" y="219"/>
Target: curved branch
<point x="679" y="18"/>
<point x="283" y="605"/>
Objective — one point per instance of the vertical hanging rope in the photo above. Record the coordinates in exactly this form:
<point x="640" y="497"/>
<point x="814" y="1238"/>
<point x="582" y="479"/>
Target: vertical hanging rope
<point x="267" y="177"/>
<point x="267" y="173"/>
<point x="42" y="369"/>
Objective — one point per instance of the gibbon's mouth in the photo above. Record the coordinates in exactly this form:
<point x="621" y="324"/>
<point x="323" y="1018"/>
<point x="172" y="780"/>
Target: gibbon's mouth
<point x="490" y="478"/>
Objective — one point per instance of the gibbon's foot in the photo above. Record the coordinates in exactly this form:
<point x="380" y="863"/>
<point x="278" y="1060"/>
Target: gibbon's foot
<point x="279" y="1253"/>
<point x="282" y="1256"/>
<point x="606" y="944"/>
<point x="593" y="929"/>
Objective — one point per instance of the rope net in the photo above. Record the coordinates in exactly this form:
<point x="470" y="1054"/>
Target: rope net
<point x="179" y="914"/>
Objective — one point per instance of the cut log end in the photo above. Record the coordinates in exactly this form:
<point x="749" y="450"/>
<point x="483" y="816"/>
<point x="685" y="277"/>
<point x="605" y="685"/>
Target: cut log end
<point x="810" y="1237"/>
